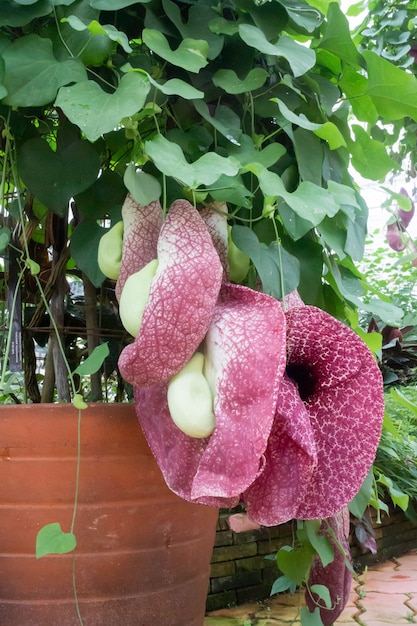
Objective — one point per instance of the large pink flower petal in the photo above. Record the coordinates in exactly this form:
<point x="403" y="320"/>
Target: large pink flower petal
<point x="142" y="225"/>
<point x="246" y="344"/>
<point x="177" y="454"/>
<point x="336" y="576"/>
<point x="290" y="460"/>
<point x="341" y="387"/>
<point x="181" y="300"/>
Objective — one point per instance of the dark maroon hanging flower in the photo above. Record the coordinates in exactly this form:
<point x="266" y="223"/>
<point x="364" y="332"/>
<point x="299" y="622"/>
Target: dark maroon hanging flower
<point x="336" y="576"/>
<point x="327" y="424"/>
<point x="340" y="385"/>
<point x="406" y="216"/>
<point x="395" y="236"/>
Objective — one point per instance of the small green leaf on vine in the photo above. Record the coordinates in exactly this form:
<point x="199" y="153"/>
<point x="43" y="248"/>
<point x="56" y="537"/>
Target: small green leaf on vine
<point x="310" y="619"/>
<point x="4" y="237"/>
<point x="323" y="593"/>
<point x="92" y="364"/>
<point x="78" y="402"/>
<point x="52" y="540"/>
<point x="33" y="267"/>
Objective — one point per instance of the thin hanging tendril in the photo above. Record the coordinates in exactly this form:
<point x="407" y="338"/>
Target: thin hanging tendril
<point x="281" y="271"/>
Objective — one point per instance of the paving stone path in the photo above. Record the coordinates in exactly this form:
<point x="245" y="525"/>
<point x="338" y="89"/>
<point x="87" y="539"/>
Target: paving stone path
<point x="383" y="594"/>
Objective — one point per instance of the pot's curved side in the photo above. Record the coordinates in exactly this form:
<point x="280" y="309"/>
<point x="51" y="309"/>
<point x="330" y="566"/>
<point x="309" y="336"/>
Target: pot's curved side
<point x="143" y="554"/>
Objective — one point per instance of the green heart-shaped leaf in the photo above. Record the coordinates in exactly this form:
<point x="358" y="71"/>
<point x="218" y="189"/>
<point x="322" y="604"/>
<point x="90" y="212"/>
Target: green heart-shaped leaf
<point x="323" y="593"/>
<point x="337" y="37"/>
<point x="4" y="237"/>
<point x="300" y="58"/>
<point x="231" y="83"/>
<point x="310" y="619"/>
<point x="98" y="29"/>
<point x="84" y="249"/>
<point x="369" y="156"/>
<point x="295" y="563"/>
<point x="33" y="75"/>
<point x="299" y="120"/>
<point x="277" y="268"/>
<point x="13" y="14"/>
<point x="308" y="17"/>
<point x="309" y="201"/>
<point x="170" y="160"/>
<point x="246" y="152"/>
<point x="143" y="187"/>
<point x="52" y="540"/>
<point x="320" y="543"/>
<point x="393" y="91"/>
<point x="177" y="87"/>
<point x="226" y="121"/>
<point x="197" y="25"/>
<point x="103" y="198"/>
<point x="191" y="54"/>
<point x="221" y="26"/>
<point x="92" y="363"/>
<point x="55" y="177"/>
<point x="330" y="133"/>
<point x="97" y="112"/>
<point x="360" y="502"/>
<point x="354" y="84"/>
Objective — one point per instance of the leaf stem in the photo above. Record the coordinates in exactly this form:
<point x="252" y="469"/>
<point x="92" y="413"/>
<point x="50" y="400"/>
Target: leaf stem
<point x="64" y="43"/>
<point x="281" y="271"/>
<point x="5" y="158"/>
<point x="74" y="587"/>
<point x="77" y="471"/>
<point x="57" y="334"/>
<point x="74" y="514"/>
<point x="9" y="332"/>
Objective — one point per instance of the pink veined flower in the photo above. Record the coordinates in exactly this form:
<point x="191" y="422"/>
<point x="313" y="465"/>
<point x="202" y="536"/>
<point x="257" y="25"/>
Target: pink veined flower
<point x="298" y="397"/>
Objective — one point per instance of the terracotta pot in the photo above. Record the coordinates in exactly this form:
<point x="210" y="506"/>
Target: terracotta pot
<point x="143" y="554"/>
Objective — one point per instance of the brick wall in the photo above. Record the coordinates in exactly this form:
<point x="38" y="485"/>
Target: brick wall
<point x="395" y="535"/>
<point x="240" y="572"/>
